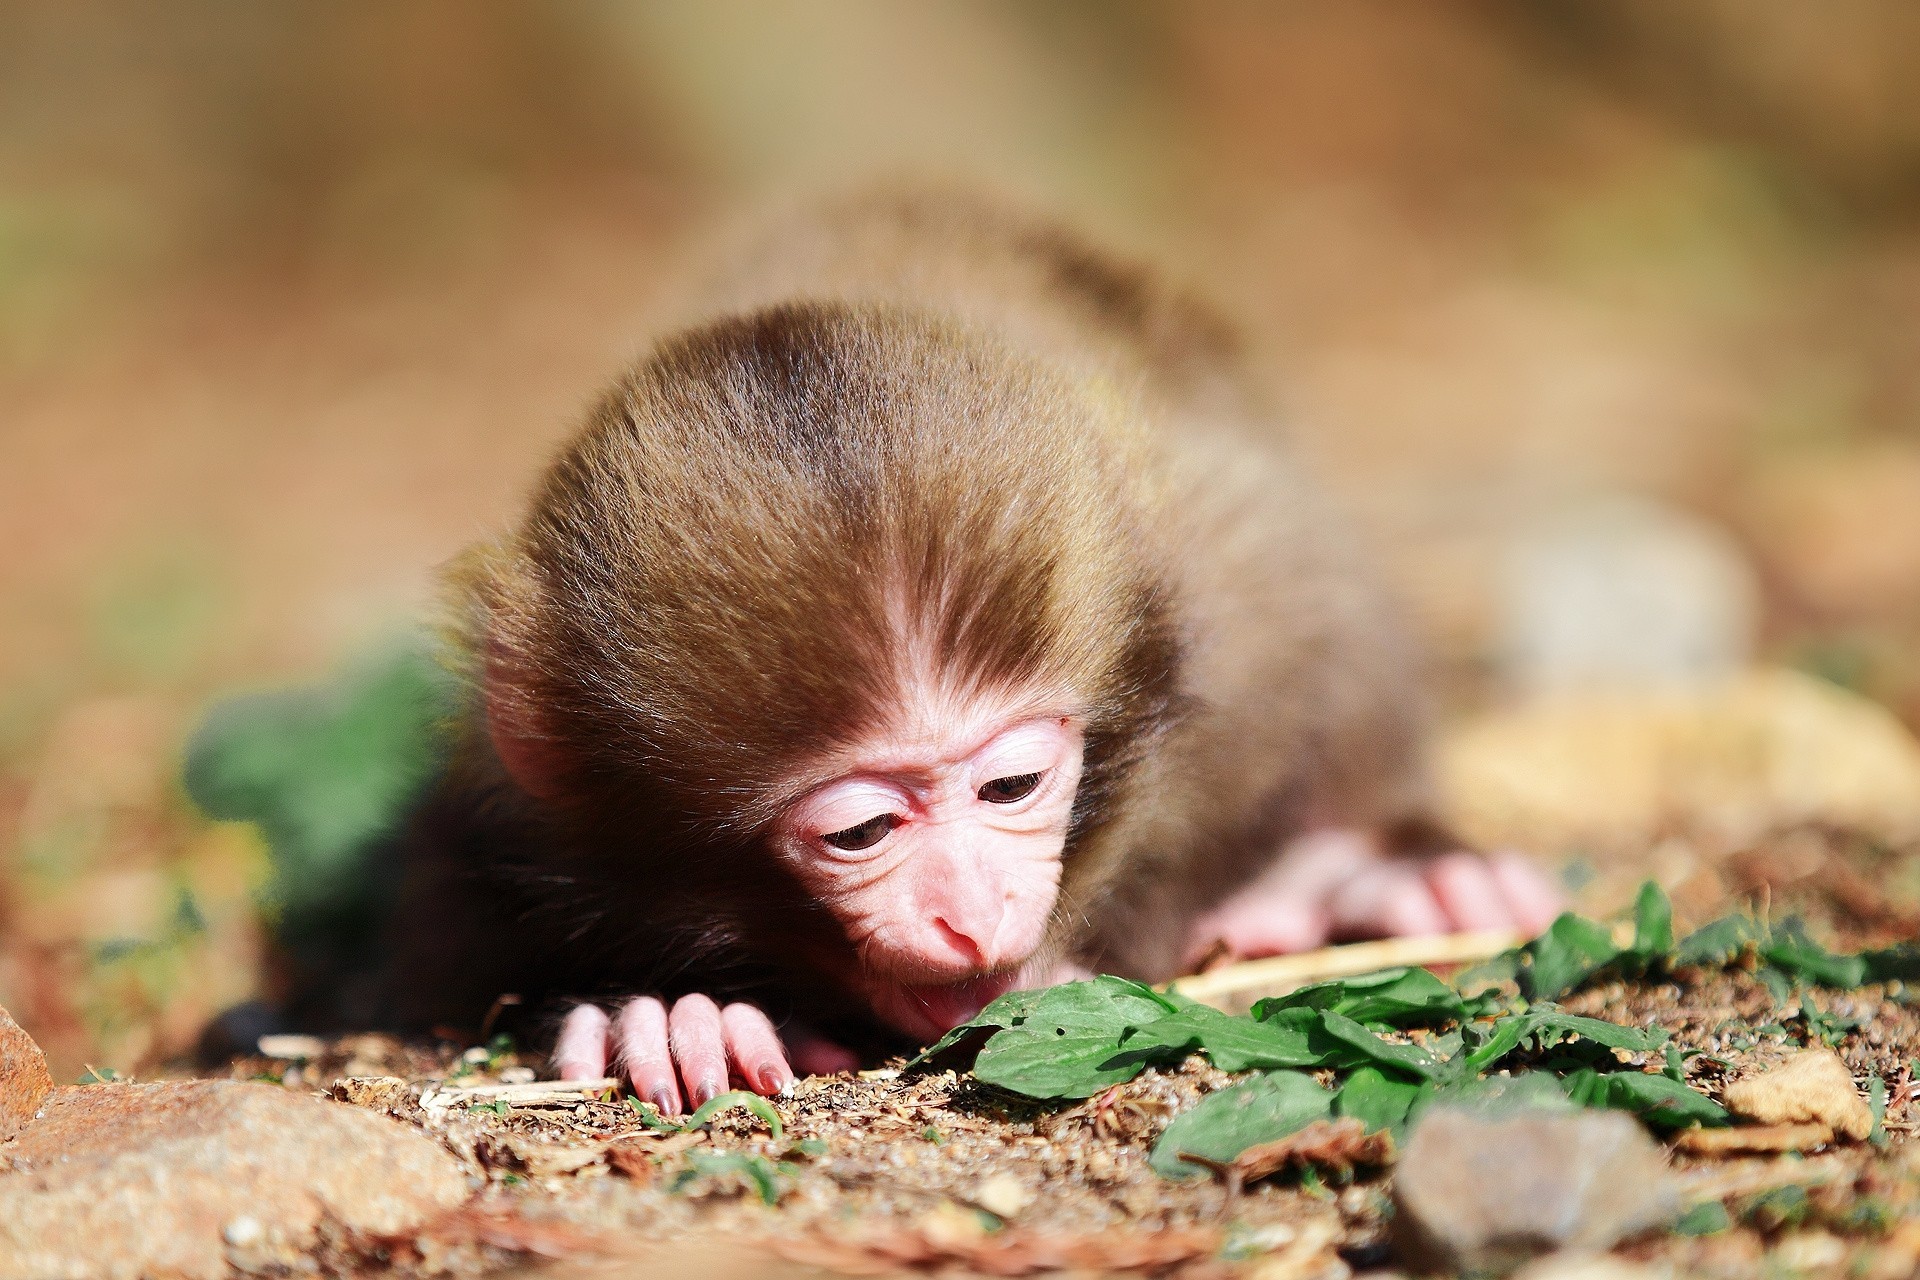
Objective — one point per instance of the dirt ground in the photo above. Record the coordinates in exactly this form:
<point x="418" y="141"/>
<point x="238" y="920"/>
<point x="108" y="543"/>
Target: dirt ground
<point x="892" y="1171"/>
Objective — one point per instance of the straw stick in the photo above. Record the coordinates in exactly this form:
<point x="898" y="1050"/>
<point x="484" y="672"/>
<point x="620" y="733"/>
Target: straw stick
<point x="1276" y="975"/>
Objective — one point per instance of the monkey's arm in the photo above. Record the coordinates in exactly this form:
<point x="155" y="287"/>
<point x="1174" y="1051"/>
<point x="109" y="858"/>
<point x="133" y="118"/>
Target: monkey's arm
<point x="1297" y="808"/>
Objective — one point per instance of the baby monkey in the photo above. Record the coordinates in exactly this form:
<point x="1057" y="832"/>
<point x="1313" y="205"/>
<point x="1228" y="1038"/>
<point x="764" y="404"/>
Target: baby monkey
<point x="936" y="619"/>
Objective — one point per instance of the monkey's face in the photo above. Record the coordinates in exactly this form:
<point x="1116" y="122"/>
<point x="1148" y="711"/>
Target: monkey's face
<point x="937" y="846"/>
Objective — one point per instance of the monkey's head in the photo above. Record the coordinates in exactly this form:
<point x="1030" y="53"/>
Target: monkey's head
<point x="835" y="636"/>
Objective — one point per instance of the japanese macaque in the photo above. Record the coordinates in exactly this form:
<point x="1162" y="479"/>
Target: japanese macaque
<point x="938" y="618"/>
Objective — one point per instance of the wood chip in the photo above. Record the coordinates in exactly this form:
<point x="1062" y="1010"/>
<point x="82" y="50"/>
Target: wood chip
<point x="539" y="1093"/>
<point x="634" y="1160"/>
<point x="1754" y="1139"/>
<point x="1336" y="1145"/>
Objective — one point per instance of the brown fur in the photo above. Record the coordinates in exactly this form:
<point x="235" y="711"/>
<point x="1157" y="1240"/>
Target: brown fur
<point x="915" y="417"/>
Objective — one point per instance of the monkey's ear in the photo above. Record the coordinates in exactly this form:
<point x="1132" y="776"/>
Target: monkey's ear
<point x="528" y="754"/>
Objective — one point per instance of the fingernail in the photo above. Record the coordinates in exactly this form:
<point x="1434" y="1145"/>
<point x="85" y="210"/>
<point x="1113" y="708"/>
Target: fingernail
<point x="708" y="1090"/>
<point x="664" y="1102"/>
<point x="774" y="1079"/>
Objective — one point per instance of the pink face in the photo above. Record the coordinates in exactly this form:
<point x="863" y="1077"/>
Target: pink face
<point x="938" y="850"/>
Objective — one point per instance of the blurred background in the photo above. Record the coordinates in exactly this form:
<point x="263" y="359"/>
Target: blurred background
<point x="1603" y="317"/>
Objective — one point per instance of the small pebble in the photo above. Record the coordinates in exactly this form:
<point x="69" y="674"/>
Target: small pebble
<point x="292" y="1048"/>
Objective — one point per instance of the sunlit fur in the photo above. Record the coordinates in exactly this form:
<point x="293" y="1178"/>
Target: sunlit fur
<point x="928" y="444"/>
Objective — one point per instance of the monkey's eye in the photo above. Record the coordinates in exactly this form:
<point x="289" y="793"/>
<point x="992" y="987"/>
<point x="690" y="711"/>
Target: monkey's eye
<point x="1007" y="790"/>
<point x="865" y="836"/>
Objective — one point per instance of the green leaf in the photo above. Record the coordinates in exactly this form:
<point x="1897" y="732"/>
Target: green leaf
<point x="1554" y="1025"/>
<point x="1392" y="997"/>
<point x="328" y="772"/>
<point x="1068" y="1042"/>
<point x="1572" y="950"/>
<point x="1497" y="1041"/>
<point x="1224" y="1124"/>
<point x="1720" y="942"/>
<point x="1010" y="1010"/>
<point x="1894" y="964"/>
<point x="1543" y="1026"/>
<point x="1877" y="1104"/>
<point x="1798" y="956"/>
<point x="1056" y="1058"/>
<point x="1408" y="1058"/>
<point x="1652" y="923"/>
<point x="649" y="1115"/>
<point x="759" y="1106"/>
<point x="1233" y="1044"/>
<point x="757" y="1171"/>
<point x="1381" y="1101"/>
<point x="1708" y="1218"/>
<point x="1660" y="1102"/>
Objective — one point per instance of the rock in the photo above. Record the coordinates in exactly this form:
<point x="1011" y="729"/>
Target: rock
<point x="187" y="1178"/>
<point x="1769" y="749"/>
<point x="1812" y="1085"/>
<point x="1483" y="1190"/>
<point x="24" y="1082"/>
<point x="1002" y="1195"/>
<point x="1618" y="592"/>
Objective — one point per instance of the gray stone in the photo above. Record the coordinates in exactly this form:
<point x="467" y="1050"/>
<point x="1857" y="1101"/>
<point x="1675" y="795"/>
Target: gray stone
<point x="1480" y="1189"/>
<point x="197" y="1178"/>
<point x="1621" y="592"/>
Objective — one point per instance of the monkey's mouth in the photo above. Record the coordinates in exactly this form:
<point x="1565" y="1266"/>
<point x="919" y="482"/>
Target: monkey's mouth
<point x="931" y="1011"/>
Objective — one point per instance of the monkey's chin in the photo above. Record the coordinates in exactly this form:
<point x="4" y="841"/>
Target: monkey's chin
<point x="929" y="1012"/>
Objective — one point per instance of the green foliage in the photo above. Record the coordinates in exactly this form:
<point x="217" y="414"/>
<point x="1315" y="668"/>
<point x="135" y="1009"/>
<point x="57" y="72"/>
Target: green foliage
<point x="1572" y="950"/>
<point x="762" y="1110"/>
<point x="1259" y="1110"/>
<point x="327" y="773"/>
<point x="1721" y="942"/>
<point x="1660" y="1101"/>
<point x="1708" y="1218"/>
<point x="1396" y="1040"/>
<point x="1652" y="923"/>
<point x="1392" y="997"/>
<point x="1381" y="1101"/>
<point x="768" y="1180"/>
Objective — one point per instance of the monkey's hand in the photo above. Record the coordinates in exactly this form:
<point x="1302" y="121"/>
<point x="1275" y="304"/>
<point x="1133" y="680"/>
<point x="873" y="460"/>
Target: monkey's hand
<point x="1339" y="885"/>
<point x="690" y="1051"/>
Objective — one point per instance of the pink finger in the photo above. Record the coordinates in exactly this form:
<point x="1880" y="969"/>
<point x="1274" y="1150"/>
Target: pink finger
<point x="640" y="1032"/>
<point x="814" y="1056"/>
<point x="1467" y="891"/>
<point x="754" y="1048"/>
<point x="1389" y="901"/>
<point x="699" y="1047"/>
<point x="1271" y="926"/>
<point x="1536" y="900"/>
<point x="581" y="1051"/>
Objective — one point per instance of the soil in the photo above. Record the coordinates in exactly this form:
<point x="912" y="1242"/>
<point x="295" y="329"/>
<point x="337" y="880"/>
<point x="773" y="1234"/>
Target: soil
<point x="885" y="1170"/>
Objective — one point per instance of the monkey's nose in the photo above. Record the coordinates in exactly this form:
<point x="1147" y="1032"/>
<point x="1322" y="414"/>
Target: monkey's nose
<point x="963" y="943"/>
